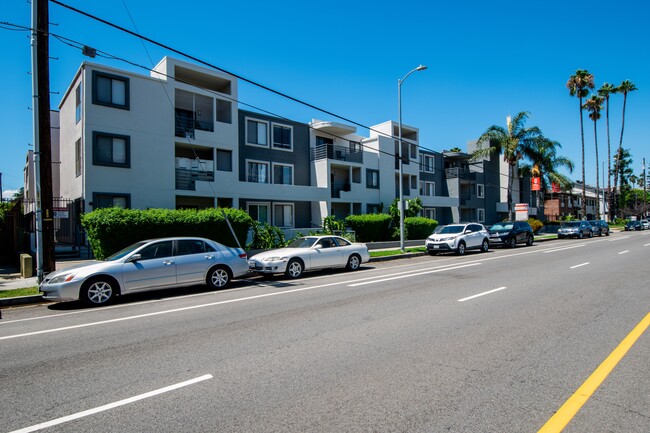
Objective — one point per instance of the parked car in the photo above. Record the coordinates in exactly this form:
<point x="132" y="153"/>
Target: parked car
<point x="633" y="225"/>
<point x="599" y="227"/>
<point x="308" y="253"/>
<point x="148" y="265"/>
<point x="458" y="238"/>
<point x="511" y="233"/>
<point x="575" y="229"/>
<point x="645" y="224"/>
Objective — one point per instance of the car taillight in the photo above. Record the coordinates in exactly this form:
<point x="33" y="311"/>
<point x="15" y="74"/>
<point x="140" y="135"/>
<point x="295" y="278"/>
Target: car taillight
<point x="243" y="256"/>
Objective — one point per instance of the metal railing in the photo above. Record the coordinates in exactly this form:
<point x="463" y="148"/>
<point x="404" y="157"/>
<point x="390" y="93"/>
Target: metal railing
<point x="340" y="153"/>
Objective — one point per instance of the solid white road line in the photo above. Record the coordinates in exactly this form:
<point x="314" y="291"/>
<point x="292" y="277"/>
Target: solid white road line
<point x="111" y="405"/>
<point x="564" y="248"/>
<point x="581" y="264"/>
<point x="482" y="294"/>
<point x="415" y="274"/>
<point x="623" y="252"/>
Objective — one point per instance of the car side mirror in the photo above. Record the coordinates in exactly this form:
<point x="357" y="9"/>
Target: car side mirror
<point x="318" y="247"/>
<point x="468" y="231"/>
<point x="135" y="258"/>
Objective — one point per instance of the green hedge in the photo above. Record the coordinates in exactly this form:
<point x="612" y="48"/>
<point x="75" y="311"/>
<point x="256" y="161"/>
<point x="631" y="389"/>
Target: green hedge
<point x="419" y="227"/>
<point x="110" y="230"/>
<point x="370" y="227"/>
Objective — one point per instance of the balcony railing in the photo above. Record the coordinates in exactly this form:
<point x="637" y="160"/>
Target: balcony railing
<point x="457" y="172"/>
<point x="186" y="179"/>
<point x="339" y="153"/>
<point x="185" y="127"/>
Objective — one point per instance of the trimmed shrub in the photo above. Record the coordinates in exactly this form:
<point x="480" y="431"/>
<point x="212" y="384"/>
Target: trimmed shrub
<point x="370" y="227"/>
<point x="535" y="224"/>
<point x="419" y="227"/>
<point x="110" y="230"/>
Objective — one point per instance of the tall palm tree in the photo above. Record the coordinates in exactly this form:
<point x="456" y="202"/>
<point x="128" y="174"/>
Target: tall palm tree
<point x="604" y="91"/>
<point x="579" y="85"/>
<point x="543" y="155"/>
<point x="594" y="105"/>
<point x="626" y="87"/>
<point x="513" y="142"/>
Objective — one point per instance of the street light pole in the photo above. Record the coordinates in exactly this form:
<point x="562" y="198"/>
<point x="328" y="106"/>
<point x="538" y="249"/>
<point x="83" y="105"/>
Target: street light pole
<point x="400" y="206"/>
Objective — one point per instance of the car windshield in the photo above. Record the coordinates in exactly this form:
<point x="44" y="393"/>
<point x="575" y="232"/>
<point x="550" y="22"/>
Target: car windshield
<point x="571" y="224"/>
<point x="302" y="243"/>
<point x="450" y="229"/>
<point x="125" y="252"/>
<point x="502" y="226"/>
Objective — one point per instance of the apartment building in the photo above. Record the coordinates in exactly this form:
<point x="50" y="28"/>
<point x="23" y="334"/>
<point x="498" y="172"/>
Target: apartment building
<point x="176" y="138"/>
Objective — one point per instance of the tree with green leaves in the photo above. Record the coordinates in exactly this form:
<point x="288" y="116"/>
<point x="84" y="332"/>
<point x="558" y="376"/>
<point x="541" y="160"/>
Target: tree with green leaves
<point x="623" y="165"/>
<point x="625" y="88"/>
<point x="543" y="155"/>
<point x="513" y="142"/>
<point x="594" y="105"/>
<point x="579" y="85"/>
<point x="605" y="91"/>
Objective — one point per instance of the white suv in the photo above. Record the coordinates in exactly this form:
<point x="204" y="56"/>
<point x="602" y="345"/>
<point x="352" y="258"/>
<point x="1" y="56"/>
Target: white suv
<point x="458" y="238"/>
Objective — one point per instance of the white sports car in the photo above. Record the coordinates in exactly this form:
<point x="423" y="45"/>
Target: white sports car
<point x="310" y="252"/>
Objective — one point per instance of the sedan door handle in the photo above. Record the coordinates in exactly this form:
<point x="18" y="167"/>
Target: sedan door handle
<point x="209" y="257"/>
<point x="168" y="263"/>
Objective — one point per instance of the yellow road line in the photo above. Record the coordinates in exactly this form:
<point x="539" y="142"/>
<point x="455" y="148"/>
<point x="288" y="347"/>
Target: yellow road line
<point x="580" y="397"/>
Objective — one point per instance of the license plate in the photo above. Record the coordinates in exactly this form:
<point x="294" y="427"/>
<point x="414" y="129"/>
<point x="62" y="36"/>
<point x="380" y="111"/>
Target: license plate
<point x="436" y="247"/>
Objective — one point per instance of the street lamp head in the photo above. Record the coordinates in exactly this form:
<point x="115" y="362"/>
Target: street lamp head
<point x="420" y="68"/>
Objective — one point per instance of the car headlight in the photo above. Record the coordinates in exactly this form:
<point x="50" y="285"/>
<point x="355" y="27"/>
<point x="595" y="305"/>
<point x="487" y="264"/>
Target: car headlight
<point x="62" y="278"/>
<point x="274" y="259"/>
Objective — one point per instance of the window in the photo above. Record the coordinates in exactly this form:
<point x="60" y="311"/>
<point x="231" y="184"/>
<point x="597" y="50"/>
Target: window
<point x="414" y="182"/>
<point x="103" y="200"/>
<point x="427" y="189"/>
<point x="427" y="163"/>
<point x="257" y="133"/>
<point x="193" y="111"/>
<point x="373" y="208"/>
<point x="259" y="212"/>
<point x="110" y="90"/>
<point x="372" y="178"/>
<point x="480" y="215"/>
<point x="77" y="158"/>
<point x="224" y="111"/>
<point x="282" y="174"/>
<point x="323" y="140"/>
<point x="158" y="250"/>
<point x="282" y="137"/>
<point x="192" y="246"/>
<point x="429" y="212"/>
<point x="480" y="190"/>
<point x="77" y="107"/>
<point x="257" y="172"/>
<point x="414" y="151"/>
<point x="111" y="150"/>
<point x="224" y="160"/>
<point x="283" y="215"/>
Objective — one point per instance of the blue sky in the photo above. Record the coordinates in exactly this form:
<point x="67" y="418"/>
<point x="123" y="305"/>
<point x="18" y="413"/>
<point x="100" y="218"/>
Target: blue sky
<point x="486" y="60"/>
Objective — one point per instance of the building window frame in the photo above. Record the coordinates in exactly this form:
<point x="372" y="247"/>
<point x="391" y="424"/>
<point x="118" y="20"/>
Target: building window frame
<point x="480" y="190"/>
<point x="249" y="140"/>
<point x="281" y="146"/>
<point x="127" y="149"/>
<point x="277" y="164"/>
<point x="223" y="152"/>
<point x="426" y="188"/>
<point x="429" y="212"/>
<point x="426" y="167"/>
<point x="78" y="153"/>
<point x="372" y="178"/>
<point x="259" y="204"/>
<point x="480" y="215"/>
<point x="261" y="163"/>
<point x="78" y="93"/>
<point x="282" y="224"/>
<point x="113" y="195"/>
<point x="96" y="76"/>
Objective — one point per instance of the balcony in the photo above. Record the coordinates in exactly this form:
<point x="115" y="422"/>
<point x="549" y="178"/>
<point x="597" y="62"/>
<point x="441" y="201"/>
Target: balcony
<point x="189" y="171"/>
<point x="336" y="152"/>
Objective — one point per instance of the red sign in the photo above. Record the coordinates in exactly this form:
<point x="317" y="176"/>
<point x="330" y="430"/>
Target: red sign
<point x="555" y="187"/>
<point x="536" y="184"/>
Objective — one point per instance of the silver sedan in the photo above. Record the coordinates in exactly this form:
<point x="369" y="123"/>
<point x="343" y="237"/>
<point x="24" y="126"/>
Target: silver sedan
<point x="148" y="265"/>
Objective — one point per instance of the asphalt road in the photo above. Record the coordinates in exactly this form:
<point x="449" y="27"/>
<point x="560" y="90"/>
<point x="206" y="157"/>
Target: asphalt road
<point x="400" y="346"/>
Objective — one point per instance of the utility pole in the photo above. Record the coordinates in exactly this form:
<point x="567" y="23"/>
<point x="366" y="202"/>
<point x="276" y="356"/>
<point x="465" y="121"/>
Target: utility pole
<point x="645" y="190"/>
<point x="42" y="138"/>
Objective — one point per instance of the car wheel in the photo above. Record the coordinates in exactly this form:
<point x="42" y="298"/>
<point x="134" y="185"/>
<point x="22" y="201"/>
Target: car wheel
<point x="485" y="246"/>
<point x="353" y="262"/>
<point x="591" y="234"/>
<point x="581" y="235"/>
<point x="97" y="292"/>
<point x="294" y="268"/>
<point x="529" y="240"/>
<point x="218" y="277"/>
<point x="607" y="233"/>
<point x="512" y="243"/>
<point x="461" y="249"/>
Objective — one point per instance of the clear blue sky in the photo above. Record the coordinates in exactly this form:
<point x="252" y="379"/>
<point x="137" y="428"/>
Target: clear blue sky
<point x="486" y="59"/>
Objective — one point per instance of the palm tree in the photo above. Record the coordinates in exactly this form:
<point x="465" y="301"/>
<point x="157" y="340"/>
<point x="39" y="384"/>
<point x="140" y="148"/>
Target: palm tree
<point x="593" y="106"/>
<point x="604" y="91"/>
<point x="543" y="155"/>
<point x="579" y="85"/>
<point x="514" y="142"/>
<point x="626" y="87"/>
